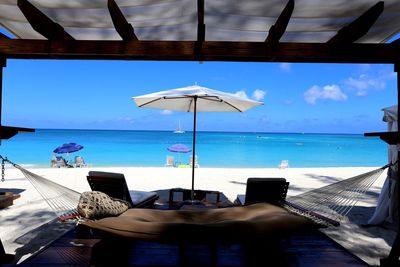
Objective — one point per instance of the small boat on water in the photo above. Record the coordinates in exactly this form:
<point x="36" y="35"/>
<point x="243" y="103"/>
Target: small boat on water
<point x="179" y="129"/>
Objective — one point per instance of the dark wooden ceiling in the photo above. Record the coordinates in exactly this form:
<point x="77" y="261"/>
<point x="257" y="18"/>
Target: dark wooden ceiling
<point x="341" y="48"/>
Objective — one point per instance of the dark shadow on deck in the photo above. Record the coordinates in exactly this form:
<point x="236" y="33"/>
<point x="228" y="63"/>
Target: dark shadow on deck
<point x="41" y="236"/>
<point x="80" y="247"/>
<point x="358" y="212"/>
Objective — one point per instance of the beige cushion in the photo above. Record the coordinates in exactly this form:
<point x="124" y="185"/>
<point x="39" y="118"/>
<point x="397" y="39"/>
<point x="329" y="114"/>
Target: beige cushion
<point x="233" y="224"/>
<point x="96" y="204"/>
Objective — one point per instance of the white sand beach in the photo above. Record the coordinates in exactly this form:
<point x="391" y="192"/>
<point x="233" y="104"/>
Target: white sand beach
<point x="29" y="224"/>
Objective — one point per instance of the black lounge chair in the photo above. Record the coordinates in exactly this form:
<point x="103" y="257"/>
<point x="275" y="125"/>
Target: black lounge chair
<point x="114" y="185"/>
<point x="271" y="190"/>
<point x="4" y="257"/>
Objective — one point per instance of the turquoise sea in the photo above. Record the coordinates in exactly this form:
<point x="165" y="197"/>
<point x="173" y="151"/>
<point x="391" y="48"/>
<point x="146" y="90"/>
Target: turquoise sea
<point x="214" y="149"/>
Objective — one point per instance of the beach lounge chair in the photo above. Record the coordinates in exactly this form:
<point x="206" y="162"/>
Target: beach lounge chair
<point x="61" y="162"/>
<point x="196" y="164"/>
<point x="170" y="161"/>
<point x="271" y="190"/>
<point x="114" y="185"/>
<point x="4" y="257"/>
<point x="284" y="164"/>
<point x="53" y="161"/>
<point x="79" y="162"/>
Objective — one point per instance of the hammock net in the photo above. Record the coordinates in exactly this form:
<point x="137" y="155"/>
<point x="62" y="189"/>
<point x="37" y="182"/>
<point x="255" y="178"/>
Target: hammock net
<point x="62" y="200"/>
<point x="331" y="203"/>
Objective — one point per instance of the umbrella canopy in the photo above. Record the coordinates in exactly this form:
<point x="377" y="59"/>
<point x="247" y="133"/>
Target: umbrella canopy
<point x="207" y="100"/>
<point x="193" y="99"/>
<point x="68" y="148"/>
<point x="179" y="148"/>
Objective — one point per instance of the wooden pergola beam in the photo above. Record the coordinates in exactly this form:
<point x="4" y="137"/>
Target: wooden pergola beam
<point x="124" y="29"/>
<point x="359" y="27"/>
<point x="6" y="132"/>
<point x="278" y="29"/>
<point x="41" y="23"/>
<point x="211" y="51"/>
<point x="201" y="29"/>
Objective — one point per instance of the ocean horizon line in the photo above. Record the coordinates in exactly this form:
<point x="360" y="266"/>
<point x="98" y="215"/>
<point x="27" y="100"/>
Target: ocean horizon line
<point x="199" y="131"/>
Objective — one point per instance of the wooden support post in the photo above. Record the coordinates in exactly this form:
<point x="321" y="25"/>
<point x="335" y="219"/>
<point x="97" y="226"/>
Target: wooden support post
<point x="393" y="258"/>
<point x="2" y="65"/>
<point x="395" y="252"/>
<point x="397" y="70"/>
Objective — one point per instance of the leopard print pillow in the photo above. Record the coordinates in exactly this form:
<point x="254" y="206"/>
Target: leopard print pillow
<point x="96" y="205"/>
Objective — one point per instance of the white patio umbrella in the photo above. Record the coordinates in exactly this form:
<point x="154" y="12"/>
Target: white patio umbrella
<point x="195" y="99"/>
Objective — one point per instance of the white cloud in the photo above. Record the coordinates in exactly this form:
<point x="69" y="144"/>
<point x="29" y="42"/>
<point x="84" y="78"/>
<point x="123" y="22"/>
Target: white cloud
<point x="286" y="67"/>
<point x="241" y="93"/>
<point x="364" y="82"/>
<point x="166" y="112"/>
<point x="259" y="94"/>
<point x="328" y="92"/>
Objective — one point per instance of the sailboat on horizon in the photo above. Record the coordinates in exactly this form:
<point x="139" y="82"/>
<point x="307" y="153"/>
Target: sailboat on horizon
<point x="179" y="129"/>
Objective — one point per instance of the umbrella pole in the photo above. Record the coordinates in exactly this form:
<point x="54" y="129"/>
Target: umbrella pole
<point x="194" y="147"/>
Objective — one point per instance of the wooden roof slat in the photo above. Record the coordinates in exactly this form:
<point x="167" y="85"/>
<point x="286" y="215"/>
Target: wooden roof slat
<point x="124" y="29"/>
<point x="41" y="23"/>
<point x="359" y="27"/>
<point x="201" y="29"/>
<point x="278" y="29"/>
<point x="211" y="51"/>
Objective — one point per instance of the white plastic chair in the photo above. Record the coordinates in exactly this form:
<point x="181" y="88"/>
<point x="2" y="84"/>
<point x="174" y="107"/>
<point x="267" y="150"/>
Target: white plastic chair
<point x="196" y="164"/>
<point x="79" y="162"/>
<point x="170" y="161"/>
<point x="284" y="164"/>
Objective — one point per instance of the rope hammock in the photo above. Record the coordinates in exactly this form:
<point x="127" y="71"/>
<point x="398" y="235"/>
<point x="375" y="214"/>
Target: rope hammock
<point x="330" y="204"/>
<point x="62" y="200"/>
<point x="326" y="205"/>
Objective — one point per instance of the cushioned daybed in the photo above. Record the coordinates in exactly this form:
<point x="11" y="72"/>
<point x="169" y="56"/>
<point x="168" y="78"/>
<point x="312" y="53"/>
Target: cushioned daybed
<point x="225" y="225"/>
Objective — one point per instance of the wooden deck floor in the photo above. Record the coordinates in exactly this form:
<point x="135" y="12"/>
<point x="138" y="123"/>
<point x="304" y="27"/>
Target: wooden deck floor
<point x="81" y="247"/>
<point x="84" y="247"/>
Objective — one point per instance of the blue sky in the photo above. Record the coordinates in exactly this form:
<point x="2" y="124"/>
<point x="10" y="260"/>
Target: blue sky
<point x="310" y="98"/>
